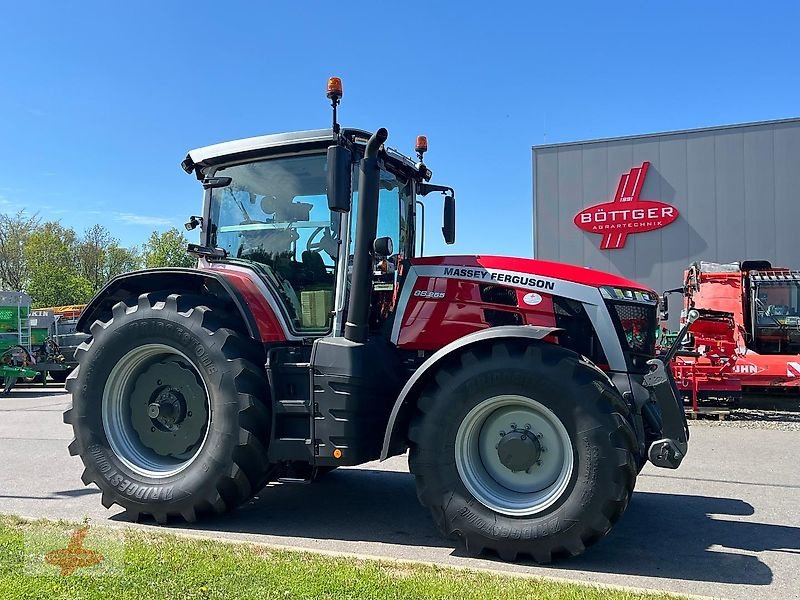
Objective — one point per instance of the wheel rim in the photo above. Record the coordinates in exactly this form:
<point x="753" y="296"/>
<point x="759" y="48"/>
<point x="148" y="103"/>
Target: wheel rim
<point x="514" y="455"/>
<point x="155" y="411"/>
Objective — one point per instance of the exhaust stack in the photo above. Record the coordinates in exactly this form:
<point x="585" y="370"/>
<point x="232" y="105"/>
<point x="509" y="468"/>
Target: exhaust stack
<point x="369" y="173"/>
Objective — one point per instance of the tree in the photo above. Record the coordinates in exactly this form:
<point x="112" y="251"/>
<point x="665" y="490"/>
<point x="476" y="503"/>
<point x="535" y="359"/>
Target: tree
<point x="92" y="255"/>
<point x="167" y="249"/>
<point x="100" y="257"/>
<point x="54" y="276"/>
<point x="15" y="230"/>
<point x="121" y="260"/>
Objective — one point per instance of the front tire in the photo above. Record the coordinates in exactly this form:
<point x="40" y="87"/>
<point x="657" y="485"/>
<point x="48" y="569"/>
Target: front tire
<point x="523" y="449"/>
<point x="169" y="411"/>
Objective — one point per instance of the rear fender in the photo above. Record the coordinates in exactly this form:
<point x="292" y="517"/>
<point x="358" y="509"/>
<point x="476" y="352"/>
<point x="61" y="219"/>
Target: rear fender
<point x="209" y="284"/>
<point x="393" y="440"/>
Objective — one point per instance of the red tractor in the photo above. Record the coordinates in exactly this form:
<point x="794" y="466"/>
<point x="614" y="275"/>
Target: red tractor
<point x="313" y="335"/>
<point x="747" y="334"/>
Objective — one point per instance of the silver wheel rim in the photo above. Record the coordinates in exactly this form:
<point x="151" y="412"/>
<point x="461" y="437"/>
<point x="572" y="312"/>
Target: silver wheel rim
<point x="492" y="483"/>
<point x="124" y="412"/>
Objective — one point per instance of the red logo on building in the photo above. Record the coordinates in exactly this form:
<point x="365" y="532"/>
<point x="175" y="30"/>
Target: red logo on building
<point x="626" y="214"/>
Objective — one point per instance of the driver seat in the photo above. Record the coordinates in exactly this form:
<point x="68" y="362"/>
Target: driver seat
<point x="315" y="269"/>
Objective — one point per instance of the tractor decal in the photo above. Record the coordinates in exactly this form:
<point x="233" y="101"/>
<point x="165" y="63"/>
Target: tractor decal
<point x="793" y="369"/>
<point x="741" y="368"/>
<point x="510" y="277"/>
<point x="626" y="213"/>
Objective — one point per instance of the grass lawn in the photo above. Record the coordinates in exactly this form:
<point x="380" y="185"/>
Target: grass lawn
<point x="139" y="564"/>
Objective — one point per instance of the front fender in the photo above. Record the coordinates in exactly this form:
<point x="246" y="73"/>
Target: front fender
<point x="401" y="411"/>
<point x="177" y="280"/>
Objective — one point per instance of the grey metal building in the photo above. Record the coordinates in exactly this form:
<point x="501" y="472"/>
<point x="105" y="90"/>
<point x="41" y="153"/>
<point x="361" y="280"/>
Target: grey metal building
<point x="736" y="190"/>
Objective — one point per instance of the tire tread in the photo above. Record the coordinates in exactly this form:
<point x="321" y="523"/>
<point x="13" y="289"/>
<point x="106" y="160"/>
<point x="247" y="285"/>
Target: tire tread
<point x="622" y="438"/>
<point x="249" y="469"/>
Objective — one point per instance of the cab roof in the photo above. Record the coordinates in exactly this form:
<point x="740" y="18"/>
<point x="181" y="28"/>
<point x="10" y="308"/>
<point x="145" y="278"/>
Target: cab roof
<point x="247" y="148"/>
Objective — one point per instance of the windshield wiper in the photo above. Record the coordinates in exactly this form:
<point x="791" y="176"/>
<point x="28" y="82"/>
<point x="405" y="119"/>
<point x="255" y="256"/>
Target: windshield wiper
<point x="239" y="204"/>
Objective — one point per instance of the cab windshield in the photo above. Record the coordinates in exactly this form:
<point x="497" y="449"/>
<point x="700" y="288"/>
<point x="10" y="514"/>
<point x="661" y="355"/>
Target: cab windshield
<point x="778" y="305"/>
<point x="275" y="213"/>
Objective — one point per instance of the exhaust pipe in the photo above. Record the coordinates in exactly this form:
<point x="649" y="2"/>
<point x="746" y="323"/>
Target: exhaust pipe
<point x="369" y="175"/>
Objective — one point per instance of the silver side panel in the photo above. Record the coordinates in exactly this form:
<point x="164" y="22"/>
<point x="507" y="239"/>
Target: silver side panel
<point x="589" y="296"/>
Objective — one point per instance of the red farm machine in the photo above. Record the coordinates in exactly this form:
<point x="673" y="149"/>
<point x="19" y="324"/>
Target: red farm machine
<point x="746" y="336"/>
<point x="313" y="334"/>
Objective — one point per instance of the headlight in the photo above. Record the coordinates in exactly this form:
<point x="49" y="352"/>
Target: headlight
<point x="628" y="295"/>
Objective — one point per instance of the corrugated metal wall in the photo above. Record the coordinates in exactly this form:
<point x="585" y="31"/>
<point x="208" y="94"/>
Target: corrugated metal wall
<point x="737" y="190"/>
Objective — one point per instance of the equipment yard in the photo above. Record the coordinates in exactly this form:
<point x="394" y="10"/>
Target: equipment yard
<point x="725" y="525"/>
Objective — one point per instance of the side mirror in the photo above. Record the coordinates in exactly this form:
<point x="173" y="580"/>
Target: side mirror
<point x="449" y="221"/>
<point x="193" y="223"/>
<point x="383" y="247"/>
<point x="340" y="167"/>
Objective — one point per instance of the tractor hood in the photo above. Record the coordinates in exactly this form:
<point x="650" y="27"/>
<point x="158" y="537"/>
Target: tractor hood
<point x="505" y="265"/>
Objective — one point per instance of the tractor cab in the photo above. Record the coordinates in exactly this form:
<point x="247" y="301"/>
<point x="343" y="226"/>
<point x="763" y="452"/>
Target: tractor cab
<point x="286" y="205"/>
<point x="774" y="298"/>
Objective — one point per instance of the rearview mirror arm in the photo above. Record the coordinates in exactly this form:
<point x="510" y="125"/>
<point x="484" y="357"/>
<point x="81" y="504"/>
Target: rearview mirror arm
<point x="423" y="189"/>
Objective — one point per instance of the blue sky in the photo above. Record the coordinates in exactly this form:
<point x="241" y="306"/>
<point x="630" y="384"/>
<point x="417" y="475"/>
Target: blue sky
<point x="100" y="101"/>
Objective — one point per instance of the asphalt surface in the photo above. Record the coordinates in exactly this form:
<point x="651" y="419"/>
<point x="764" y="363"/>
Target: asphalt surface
<point x="726" y="524"/>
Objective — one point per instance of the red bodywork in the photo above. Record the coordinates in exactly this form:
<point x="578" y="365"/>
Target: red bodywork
<point x="451" y="307"/>
<point x="443" y="309"/>
<point x="254" y="294"/>
<point x="726" y="364"/>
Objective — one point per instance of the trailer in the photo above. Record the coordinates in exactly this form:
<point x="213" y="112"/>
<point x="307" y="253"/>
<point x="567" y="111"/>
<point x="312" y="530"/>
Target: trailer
<point x="747" y="336"/>
<point x="63" y="332"/>
<point x="29" y="342"/>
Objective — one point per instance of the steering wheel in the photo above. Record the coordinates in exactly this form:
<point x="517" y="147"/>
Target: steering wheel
<point x="327" y="242"/>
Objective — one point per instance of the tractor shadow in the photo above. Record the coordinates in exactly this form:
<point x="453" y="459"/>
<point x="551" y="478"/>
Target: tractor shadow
<point x="660" y="535"/>
<point x="32" y="392"/>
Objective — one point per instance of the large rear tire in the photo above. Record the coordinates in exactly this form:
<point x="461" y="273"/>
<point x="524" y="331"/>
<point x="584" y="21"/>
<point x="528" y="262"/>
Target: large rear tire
<point x="523" y="449"/>
<point x="169" y="410"/>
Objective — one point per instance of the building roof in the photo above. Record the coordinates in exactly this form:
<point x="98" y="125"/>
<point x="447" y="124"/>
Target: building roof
<point x="792" y="120"/>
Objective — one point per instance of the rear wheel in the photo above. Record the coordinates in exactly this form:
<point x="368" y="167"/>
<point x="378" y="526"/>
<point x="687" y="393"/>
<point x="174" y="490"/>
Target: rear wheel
<point x="169" y="411"/>
<point x="523" y="449"/>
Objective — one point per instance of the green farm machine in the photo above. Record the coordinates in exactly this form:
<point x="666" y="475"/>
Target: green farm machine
<point x="29" y="342"/>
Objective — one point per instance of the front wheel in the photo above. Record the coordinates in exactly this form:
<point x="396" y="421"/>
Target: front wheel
<point x="169" y="410"/>
<point x="523" y="449"/>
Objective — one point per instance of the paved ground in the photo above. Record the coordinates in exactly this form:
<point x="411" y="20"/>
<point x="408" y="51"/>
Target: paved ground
<point x="727" y="524"/>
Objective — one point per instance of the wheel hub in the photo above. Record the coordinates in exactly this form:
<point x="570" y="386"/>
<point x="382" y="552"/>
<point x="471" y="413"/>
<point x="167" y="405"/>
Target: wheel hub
<point x="519" y="450"/>
<point x="168" y="408"/>
<point x="513" y="454"/>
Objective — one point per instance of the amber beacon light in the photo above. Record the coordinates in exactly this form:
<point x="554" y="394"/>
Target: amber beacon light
<point x="334" y="88"/>
<point x="422" y="144"/>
